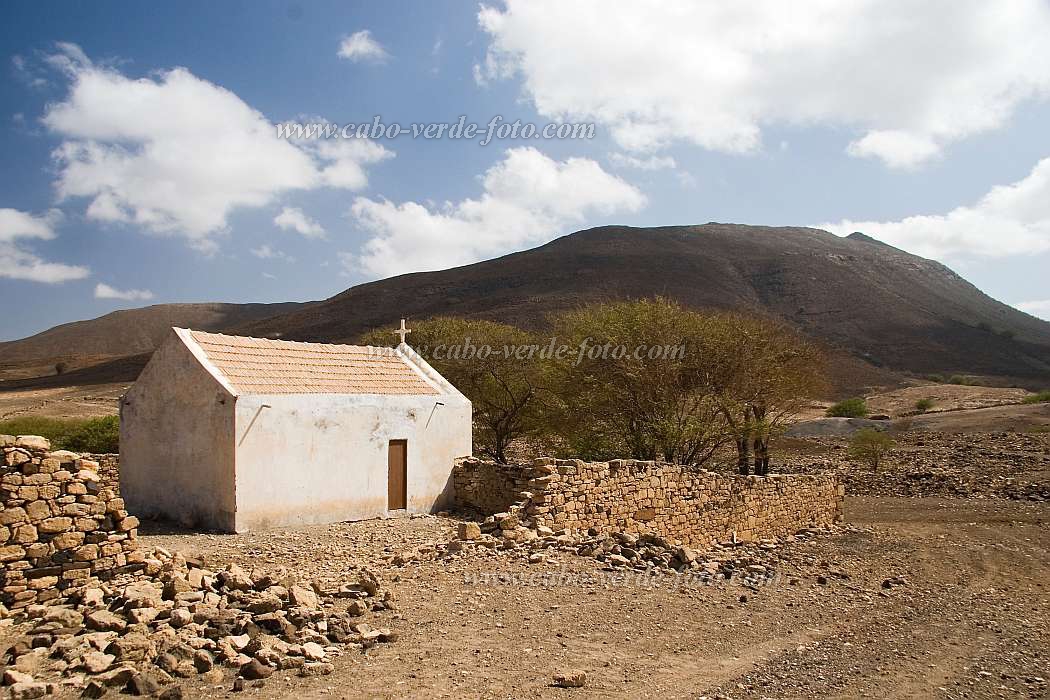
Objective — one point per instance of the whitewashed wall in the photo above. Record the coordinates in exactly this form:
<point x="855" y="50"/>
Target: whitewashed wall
<point x="176" y="445"/>
<point x="317" y="458"/>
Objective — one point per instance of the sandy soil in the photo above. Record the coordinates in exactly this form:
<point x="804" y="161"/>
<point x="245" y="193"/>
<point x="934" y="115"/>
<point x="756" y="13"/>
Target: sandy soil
<point x="969" y="622"/>
<point x="62" y="402"/>
<point x="945" y="397"/>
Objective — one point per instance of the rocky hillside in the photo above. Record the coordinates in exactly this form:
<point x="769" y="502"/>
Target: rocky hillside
<point x="866" y="299"/>
<point x="879" y="310"/>
<point x="121" y="334"/>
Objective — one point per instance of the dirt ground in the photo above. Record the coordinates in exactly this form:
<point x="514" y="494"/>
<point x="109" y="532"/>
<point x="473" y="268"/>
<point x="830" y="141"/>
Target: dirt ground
<point x="970" y="619"/>
<point x="87" y="401"/>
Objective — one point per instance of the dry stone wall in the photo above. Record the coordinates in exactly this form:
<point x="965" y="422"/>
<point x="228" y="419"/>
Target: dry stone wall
<point x="63" y="523"/>
<point x="690" y="506"/>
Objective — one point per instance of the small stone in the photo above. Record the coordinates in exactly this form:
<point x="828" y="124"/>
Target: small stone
<point x="255" y="670"/>
<point x="97" y="662"/>
<point x="203" y="661"/>
<point x="469" y="531"/>
<point x="316" y="669"/>
<point x="105" y="621"/>
<point x="143" y="684"/>
<point x="94" y="689"/>
<point x="313" y="651"/>
<point x="180" y="617"/>
<point x="33" y="442"/>
<point x="213" y="677"/>
<point x="570" y="679"/>
<point x="11" y="676"/>
<point x="236" y="578"/>
<point x="303" y="597"/>
<point x="66" y="617"/>
<point x="27" y="691"/>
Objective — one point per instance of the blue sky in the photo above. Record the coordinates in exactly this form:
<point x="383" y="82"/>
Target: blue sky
<point x="141" y="163"/>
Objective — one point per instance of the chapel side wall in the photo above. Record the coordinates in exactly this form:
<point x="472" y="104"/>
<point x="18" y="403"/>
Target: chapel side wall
<point x="176" y="442"/>
<point x="678" y="503"/>
<point x="322" y="458"/>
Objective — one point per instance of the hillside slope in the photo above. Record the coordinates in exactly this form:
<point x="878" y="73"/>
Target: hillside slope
<point x="124" y="333"/>
<point x="880" y="311"/>
<point x="870" y="300"/>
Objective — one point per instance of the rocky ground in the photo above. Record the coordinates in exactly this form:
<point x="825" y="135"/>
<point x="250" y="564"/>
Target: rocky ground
<point x="945" y="593"/>
<point x="986" y="465"/>
<point x="916" y="598"/>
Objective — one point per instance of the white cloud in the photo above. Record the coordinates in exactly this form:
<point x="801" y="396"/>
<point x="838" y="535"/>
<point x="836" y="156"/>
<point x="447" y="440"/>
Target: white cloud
<point x="19" y="263"/>
<point x="293" y="218"/>
<point x="528" y="199"/>
<point x="1009" y="220"/>
<point x="175" y="154"/>
<point x="1036" y="308"/>
<point x="905" y="78"/>
<point x="268" y="252"/>
<point x="348" y="264"/>
<point x="104" y="291"/>
<point x="651" y="163"/>
<point x="360" y="46"/>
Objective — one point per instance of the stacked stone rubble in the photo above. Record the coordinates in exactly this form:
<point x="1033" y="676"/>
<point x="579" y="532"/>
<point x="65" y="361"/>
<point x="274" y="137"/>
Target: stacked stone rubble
<point x="680" y="503"/>
<point x="63" y="525"/>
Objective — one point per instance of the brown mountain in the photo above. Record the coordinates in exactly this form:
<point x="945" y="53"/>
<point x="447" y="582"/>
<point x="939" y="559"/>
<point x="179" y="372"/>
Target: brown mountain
<point x="878" y="309"/>
<point x="121" y="334"/>
<point x="868" y="299"/>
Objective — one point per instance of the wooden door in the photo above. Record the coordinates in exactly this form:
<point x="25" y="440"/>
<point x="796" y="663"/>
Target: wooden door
<point x="397" y="475"/>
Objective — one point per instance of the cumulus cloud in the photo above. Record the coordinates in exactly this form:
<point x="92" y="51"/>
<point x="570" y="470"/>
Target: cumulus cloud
<point x="1039" y="308"/>
<point x="104" y="291"/>
<point x="906" y="79"/>
<point x="360" y="46"/>
<point x="1009" y="220"/>
<point x="528" y="199"/>
<point x="175" y="154"/>
<point x="293" y="219"/>
<point x="20" y="263"/>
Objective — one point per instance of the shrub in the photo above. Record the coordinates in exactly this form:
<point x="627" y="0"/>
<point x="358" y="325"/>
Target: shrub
<point x="870" y="446"/>
<point x="850" y="408"/>
<point x="937" y="378"/>
<point x="1041" y="397"/>
<point x="95" y="435"/>
<point x="964" y="380"/>
<point x="80" y="435"/>
<point x="923" y="405"/>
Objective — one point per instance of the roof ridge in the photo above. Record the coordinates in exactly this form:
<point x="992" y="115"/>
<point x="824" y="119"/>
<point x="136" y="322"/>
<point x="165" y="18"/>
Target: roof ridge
<point x="268" y="366"/>
<point x="385" y="348"/>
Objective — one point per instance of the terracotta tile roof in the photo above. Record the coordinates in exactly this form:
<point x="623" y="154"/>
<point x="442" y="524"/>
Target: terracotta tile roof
<point x="261" y="366"/>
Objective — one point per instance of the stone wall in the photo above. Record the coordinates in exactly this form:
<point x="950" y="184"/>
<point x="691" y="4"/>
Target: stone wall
<point x="690" y="506"/>
<point x="488" y="487"/>
<point x="63" y="523"/>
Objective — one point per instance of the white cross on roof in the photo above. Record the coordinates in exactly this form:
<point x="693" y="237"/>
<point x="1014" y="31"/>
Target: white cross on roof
<point x="402" y="331"/>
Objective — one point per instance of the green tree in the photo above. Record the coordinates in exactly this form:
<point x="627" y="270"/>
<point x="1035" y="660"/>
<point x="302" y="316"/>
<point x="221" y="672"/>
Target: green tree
<point x="870" y="446"/>
<point x="495" y="365"/>
<point x="632" y="384"/>
<point x="762" y="373"/>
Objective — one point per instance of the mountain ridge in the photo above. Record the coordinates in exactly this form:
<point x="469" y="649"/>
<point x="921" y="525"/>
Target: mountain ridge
<point x="866" y="301"/>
